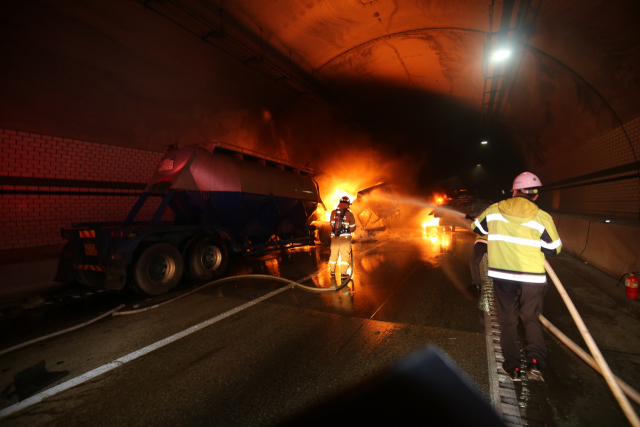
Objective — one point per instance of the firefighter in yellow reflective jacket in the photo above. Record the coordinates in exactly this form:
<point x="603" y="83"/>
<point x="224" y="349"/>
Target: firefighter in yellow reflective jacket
<point x="343" y="223"/>
<point x="519" y="235"/>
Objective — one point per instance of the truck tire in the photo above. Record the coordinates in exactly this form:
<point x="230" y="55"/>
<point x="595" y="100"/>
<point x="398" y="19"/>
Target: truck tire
<point x="158" y="269"/>
<point x="206" y="258"/>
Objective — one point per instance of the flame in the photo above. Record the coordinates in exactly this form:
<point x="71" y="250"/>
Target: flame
<point x="431" y="222"/>
<point x="332" y="201"/>
<point x="439" y="199"/>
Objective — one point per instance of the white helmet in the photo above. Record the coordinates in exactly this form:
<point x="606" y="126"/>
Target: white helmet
<point x="525" y="181"/>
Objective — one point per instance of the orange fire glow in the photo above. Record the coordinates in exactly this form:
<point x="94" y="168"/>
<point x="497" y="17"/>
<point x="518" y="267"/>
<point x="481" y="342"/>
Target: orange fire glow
<point x="439" y="199"/>
<point x="431" y="222"/>
<point x="332" y="201"/>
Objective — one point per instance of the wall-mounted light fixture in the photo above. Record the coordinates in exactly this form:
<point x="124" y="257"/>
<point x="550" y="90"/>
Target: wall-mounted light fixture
<point x="501" y="54"/>
<point x="484" y="142"/>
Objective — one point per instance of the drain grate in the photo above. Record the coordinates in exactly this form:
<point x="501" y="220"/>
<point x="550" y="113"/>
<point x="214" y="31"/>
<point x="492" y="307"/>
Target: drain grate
<point x="503" y="393"/>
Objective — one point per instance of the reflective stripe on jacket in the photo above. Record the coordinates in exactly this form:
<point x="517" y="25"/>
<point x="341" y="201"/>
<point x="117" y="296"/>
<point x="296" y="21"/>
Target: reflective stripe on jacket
<point x="348" y="225"/>
<point x="519" y="236"/>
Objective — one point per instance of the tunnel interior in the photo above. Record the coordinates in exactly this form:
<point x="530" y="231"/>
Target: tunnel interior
<point x="431" y="97"/>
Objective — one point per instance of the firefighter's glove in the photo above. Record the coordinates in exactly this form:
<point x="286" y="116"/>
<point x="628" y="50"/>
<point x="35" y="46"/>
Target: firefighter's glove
<point x="469" y="217"/>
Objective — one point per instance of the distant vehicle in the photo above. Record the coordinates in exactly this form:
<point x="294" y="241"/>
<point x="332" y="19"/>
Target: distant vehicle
<point x="373" y="215"/>
<point x="224" y="199"/>
<point x="461" y="200"/>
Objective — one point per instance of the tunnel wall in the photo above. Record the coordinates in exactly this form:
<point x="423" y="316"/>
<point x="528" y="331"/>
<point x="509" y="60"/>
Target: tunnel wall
<point x="47" y="183"/>
<point x="611" y="247"/>
<point x="600" y="177"/>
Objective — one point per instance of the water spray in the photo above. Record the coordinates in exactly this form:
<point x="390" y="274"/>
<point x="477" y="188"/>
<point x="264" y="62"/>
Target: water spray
<point x="425" y="204"/>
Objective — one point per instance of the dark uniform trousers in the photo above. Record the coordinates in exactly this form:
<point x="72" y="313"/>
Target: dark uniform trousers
<point x="526" y="299"/>
<point x="479" y="249"/>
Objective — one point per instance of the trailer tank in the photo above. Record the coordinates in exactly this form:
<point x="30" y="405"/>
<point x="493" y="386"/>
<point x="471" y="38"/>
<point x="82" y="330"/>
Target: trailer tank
<point x="248" y="195"/>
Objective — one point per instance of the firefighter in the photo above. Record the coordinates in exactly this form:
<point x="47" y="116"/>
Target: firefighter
<point x="519" y="236"/>
<point x="343" y="223"/>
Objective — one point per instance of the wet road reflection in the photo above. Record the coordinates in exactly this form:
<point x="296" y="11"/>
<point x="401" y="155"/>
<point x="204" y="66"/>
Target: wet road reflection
<point x="417" y="277"/>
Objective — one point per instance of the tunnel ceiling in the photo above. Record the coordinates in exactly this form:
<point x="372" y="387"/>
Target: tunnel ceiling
<point x="573" y="72"/>
<point x="144" y="73"/>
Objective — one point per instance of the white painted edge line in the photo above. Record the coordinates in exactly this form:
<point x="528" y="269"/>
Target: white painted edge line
<point x="148" y="349"/>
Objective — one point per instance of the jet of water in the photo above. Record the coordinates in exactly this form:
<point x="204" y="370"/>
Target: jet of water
<point x="423" y="203"/>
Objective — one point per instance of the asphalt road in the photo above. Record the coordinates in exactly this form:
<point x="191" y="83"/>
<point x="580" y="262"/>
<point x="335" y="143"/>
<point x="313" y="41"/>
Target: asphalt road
<point x="276" y="358"/>
<point x="263" y="364"/>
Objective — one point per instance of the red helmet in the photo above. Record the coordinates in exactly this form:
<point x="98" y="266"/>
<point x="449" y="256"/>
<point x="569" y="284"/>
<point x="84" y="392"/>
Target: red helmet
<point x="525" y="181"/>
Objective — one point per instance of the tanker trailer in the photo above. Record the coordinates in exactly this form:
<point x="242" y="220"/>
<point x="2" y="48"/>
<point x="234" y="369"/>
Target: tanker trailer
<point x="224" y="199"/>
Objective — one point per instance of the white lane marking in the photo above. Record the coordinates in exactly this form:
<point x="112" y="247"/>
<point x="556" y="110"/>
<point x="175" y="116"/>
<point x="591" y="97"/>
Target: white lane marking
<point x="148" y="349"/>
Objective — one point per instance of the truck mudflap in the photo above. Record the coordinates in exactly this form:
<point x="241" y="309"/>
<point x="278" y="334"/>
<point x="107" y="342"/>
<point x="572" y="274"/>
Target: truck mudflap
<point x="116" y="275"/>
<point x="65" y="265"/>
<point x="110" y="276"/>
<point x="80" y="261"/>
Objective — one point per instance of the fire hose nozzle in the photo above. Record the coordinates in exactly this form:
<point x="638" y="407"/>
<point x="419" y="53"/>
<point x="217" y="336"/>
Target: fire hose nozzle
<point x="469" y="217"/>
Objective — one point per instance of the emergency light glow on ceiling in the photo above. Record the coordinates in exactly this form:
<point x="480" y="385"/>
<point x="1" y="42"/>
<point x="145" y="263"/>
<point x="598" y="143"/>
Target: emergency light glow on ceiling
<point x="501" y="54"/>
<point x="484" y="142"/>
<point x="478" y="164"/>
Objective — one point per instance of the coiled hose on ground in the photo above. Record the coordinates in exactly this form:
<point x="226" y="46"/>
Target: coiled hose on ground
<point x="116" y="311"/>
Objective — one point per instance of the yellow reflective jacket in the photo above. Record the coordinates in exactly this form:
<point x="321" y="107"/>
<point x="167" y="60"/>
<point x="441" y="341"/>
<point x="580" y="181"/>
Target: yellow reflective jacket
<point x="519" y="236"/>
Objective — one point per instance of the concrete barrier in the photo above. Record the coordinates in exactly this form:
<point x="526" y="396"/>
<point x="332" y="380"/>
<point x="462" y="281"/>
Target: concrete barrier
<point x="573" y="232"/>
<point x="611" y="247"/>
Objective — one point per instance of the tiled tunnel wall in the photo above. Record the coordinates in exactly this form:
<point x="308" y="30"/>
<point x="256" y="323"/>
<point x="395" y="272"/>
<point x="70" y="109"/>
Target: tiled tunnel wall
<point x="601" y="177"/>
<point x="47" y="183"/>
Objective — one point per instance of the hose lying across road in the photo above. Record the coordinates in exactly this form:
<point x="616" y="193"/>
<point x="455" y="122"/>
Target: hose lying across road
<point x="595" y="351"/>
<point x="629" y="391"/>
<point x="116" y="312"/>
<point x="251" y="276"/>
<point x="602" y="366"/>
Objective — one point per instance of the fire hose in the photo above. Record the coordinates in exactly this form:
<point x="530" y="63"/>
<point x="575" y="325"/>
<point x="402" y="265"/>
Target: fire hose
<point x="598" y="358"/>
<point x="600" y="362"/>
<point x="250" y="276"/>
<point x="116" y="312"/>
<point x="595" y="351"/>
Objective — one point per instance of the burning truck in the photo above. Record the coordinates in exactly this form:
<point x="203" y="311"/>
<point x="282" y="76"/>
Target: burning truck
<point x="373" y="214"/>
<point x="223" y="199"/>
<point x="461" y="200"/>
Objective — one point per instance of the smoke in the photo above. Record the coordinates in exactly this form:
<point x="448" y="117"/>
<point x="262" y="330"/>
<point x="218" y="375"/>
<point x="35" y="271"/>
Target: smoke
<point x="342" y="155"/>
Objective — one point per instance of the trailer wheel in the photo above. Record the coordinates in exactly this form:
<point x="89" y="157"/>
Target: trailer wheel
<point x="206" y="258"/>
<point x="158" y="269"/>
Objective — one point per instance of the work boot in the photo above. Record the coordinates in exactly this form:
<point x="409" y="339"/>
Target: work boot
<point x="534" y="372"/>
<point x="514" y="374"/>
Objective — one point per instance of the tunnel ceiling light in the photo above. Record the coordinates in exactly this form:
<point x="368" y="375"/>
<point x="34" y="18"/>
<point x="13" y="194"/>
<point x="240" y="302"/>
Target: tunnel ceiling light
<point x="501" y="54"/>
<point x="607" y="220"/>
<point x="478" y="164"/>
<point x="484" y="142"/>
